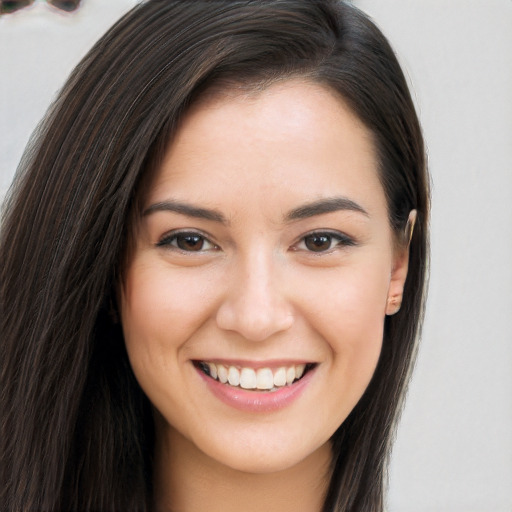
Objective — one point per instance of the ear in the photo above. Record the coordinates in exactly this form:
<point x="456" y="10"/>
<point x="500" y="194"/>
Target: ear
<point x="400" y="268"/>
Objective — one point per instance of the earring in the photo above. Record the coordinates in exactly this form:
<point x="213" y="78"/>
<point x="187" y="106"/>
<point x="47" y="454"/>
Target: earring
<point x="394" y="305"/>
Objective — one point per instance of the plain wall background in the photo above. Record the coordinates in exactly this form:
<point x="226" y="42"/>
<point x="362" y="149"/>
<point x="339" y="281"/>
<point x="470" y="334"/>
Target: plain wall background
<point x="454" y="447"/>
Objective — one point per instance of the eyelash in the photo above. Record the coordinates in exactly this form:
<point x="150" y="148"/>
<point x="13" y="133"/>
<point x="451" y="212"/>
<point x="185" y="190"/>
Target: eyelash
<point x="172" y="240"/>
<point x="341" y="239"/>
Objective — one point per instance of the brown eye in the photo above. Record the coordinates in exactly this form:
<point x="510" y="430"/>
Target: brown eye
<point x="190" y="242"/>
<point x="187" y="242"/>
<point x="324" y="241"/>
<point x="318" y="243"/>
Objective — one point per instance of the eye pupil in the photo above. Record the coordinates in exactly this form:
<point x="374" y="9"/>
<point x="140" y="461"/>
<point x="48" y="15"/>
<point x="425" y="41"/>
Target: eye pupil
<point x="318" y="243"/>
<point x="190" y="242"/>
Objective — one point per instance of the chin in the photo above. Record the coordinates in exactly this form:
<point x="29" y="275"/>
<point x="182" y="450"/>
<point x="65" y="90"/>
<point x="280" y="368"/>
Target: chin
<point x="267" y="457"/>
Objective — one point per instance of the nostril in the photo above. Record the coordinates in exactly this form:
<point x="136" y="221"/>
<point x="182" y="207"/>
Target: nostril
<point x="254" y="323"/>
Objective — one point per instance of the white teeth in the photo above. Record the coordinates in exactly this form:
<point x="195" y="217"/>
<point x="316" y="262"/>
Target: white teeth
<point x="299" y="370"/>
<point x="233" y="376"/>
<point x="247" y="378"/>
<point x="222" y="373"/>
<point x="290" y="375"/>
<point x="213" y="370"/>
<point x="264" y="378"/>
<point x="280" y="377"/>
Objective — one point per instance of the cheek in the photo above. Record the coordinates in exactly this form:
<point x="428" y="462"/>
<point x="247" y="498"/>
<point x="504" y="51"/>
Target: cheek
<point x="160" y="310"/>
<point x="350" y="319"/>
<point x="350" y="299"/>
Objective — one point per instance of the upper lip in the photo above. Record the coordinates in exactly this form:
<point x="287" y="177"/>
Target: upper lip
<point x="255" y="364"/>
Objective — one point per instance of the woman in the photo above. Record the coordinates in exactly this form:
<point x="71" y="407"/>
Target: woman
<point x="214" y="260"/>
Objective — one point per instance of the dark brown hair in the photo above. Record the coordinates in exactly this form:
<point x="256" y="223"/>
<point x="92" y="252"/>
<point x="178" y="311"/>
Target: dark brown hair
<point x="76" y="431"/>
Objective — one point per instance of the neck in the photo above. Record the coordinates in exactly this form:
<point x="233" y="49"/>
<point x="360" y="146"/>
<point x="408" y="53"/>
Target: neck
<point x="187" y="480"/>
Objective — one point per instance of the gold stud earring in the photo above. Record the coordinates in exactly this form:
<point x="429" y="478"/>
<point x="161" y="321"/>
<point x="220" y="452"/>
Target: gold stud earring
<point x="394" y="303"/>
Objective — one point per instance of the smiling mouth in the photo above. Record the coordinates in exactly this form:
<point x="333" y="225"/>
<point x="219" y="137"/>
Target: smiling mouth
<point x="261" y="379"/>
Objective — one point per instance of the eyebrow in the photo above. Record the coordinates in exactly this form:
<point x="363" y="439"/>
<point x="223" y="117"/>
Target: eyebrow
<point x="186" y="209"/>
<point x="322" y="206"/>
<point x="331" y="204"/>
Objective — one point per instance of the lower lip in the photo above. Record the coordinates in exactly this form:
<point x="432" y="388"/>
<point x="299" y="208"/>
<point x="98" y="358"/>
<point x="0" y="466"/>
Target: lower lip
<point x="255" y="401"/>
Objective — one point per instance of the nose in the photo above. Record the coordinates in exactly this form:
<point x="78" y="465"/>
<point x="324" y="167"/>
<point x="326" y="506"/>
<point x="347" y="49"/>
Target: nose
<point x="255" y="304"/>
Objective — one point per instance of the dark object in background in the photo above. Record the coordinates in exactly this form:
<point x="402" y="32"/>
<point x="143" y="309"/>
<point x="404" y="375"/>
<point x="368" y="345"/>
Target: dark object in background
<point x="10" y="6"/>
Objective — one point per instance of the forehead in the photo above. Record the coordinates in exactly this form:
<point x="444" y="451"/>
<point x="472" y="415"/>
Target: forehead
<point x="293" y="136"/>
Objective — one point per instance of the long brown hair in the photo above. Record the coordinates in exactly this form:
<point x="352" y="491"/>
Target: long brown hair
<point x="76" y="431"/>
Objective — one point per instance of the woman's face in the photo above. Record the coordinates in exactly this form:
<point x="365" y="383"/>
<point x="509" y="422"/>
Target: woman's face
<point x="264" y="253"/>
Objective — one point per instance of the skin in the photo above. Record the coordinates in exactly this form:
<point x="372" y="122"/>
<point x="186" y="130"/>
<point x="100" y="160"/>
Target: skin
<point x="256" y="292"/>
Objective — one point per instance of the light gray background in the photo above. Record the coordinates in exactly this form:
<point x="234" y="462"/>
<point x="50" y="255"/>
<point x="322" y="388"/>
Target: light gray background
<point x="454" y="446"/>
